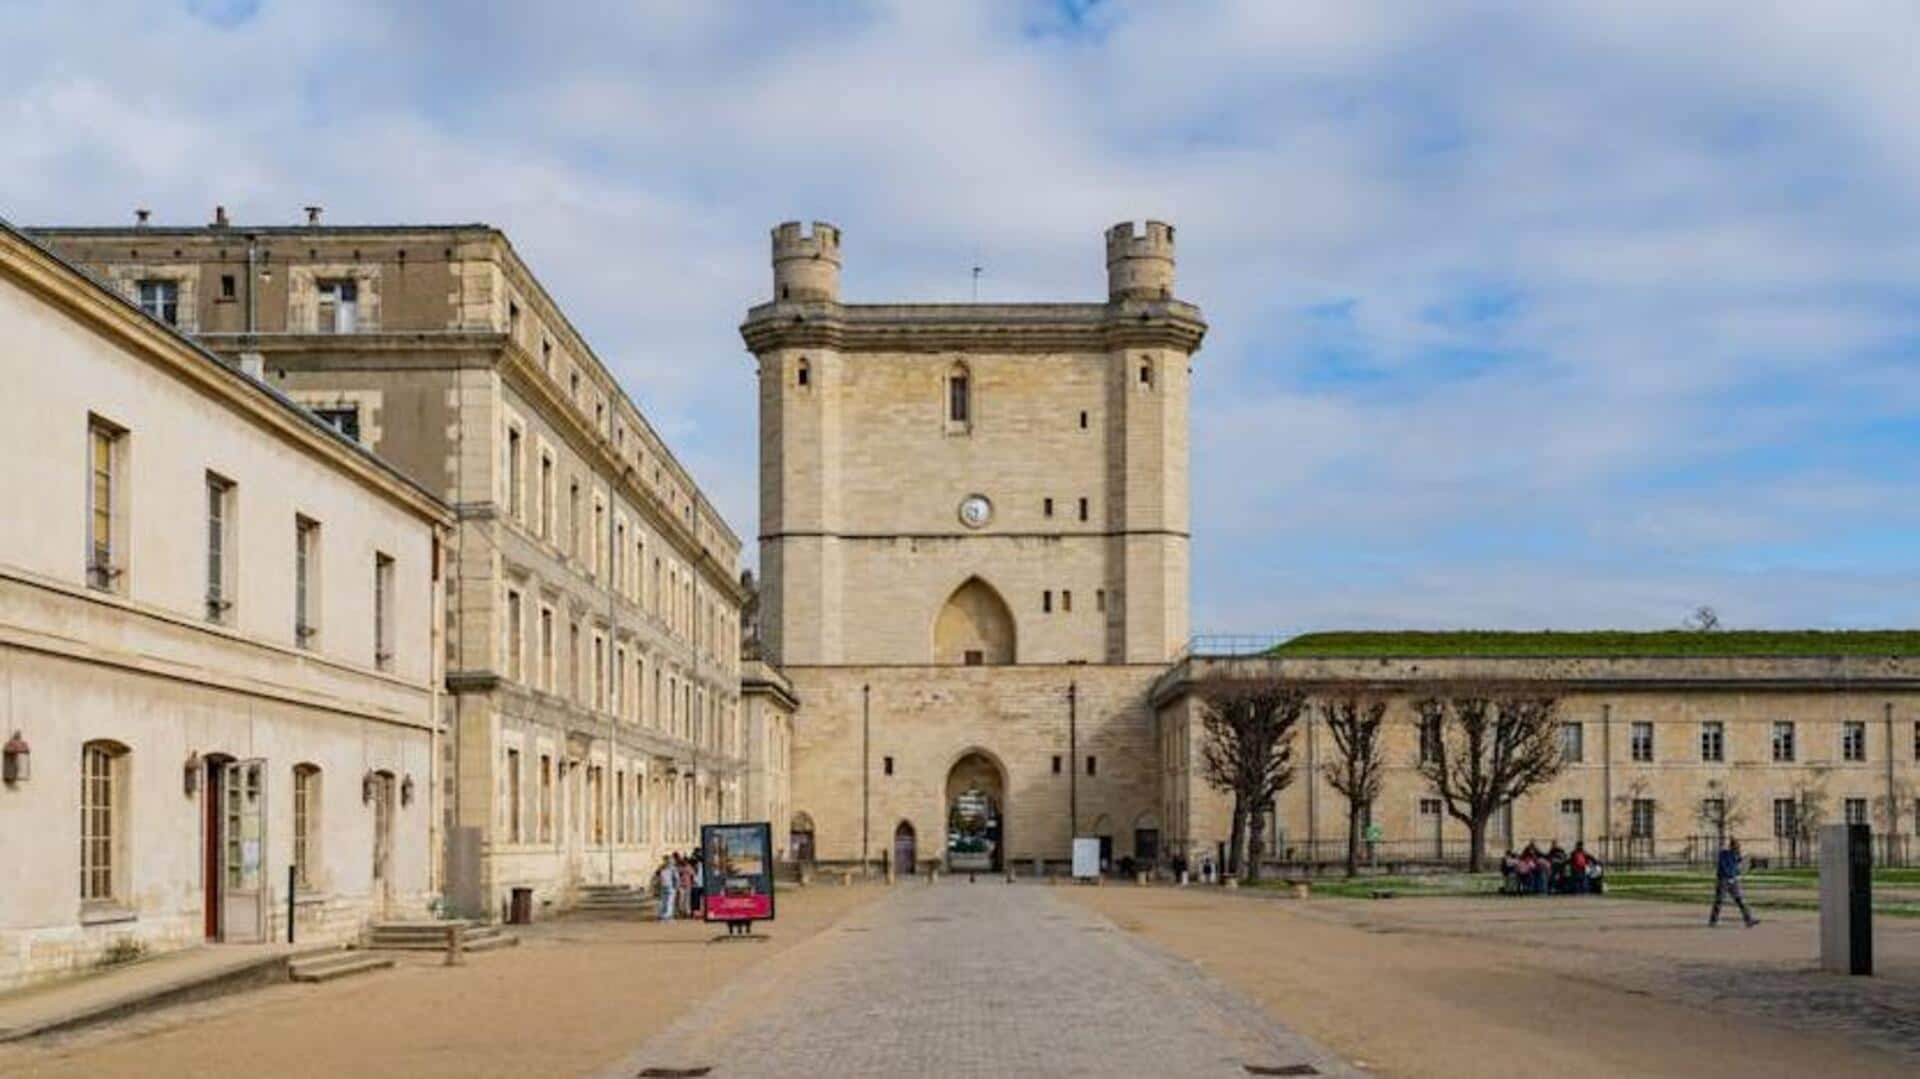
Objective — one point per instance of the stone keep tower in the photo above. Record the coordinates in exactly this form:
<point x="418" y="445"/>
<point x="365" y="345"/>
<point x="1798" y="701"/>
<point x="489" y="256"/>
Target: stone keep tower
<point x="974" y="483"/>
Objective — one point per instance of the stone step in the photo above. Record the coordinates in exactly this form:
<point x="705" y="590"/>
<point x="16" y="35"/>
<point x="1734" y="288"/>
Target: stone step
<point x="482" y="943"/>
<point x="327" y="967"/>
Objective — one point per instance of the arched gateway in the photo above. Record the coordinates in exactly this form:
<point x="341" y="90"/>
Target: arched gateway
<point x="976" y="819"/>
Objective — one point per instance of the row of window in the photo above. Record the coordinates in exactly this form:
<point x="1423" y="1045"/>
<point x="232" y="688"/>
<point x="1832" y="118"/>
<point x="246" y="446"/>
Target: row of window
<point x="1791" y="816"/>
<point x="676" y="819"/>
<point x="1066" y="600"/>
<point x="670" y="593"/>
<point x="109" y="538"/>
<point x="959" y="386"/>
<point x="1783" y="742"/>
<point x="337" y="301"/>
<point x="1059" y="764"/>
<point x="1046" y="507"/>
<point x="105" y="788"/>
<point x="674" y="703"/>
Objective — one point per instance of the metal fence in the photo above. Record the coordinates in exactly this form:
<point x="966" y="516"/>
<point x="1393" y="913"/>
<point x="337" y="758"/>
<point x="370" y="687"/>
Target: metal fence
<point x="1450" y="853"/>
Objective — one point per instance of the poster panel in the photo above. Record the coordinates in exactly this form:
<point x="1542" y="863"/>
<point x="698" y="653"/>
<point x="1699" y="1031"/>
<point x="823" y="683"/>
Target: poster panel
<point x="739" y="871"/>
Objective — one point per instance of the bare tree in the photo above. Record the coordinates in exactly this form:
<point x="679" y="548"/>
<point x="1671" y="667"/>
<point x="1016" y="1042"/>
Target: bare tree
<point x="1355" y="721"/>
<point x="1722" y="812"/>
<point x="1704" y="619"/>
<point x="1248" y="752"/>
<point x="1809" y="811"/>
<point x="1482" y="746"/>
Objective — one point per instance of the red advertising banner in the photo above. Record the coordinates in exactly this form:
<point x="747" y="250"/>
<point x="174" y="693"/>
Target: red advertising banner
<point x="739" y="871"/>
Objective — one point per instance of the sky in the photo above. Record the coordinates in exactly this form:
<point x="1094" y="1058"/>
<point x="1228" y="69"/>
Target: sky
<point x="1523" y="315"/>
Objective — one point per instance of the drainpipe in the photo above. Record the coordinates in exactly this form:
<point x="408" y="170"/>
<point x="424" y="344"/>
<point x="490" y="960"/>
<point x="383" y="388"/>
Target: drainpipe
<point x="1313" y="787"/>
<point x="1893" y="804"/>
<point x="1606" y="771"/>
<point x="866" y="769"/>
<point x="613" y="636"/>
<point x="253" y="254"/>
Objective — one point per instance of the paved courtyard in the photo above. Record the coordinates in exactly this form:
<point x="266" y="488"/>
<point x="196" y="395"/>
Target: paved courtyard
<point x="987" y="979"/>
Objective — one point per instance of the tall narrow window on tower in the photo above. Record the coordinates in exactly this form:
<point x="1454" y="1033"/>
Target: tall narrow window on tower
<point x="803" y="375"/>
<point x="959" y="396"/>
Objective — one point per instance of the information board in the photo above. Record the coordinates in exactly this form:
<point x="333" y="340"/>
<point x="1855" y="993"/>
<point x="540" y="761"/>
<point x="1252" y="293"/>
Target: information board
<point x="738" y="863"/>
<point x="1086" y="857"/>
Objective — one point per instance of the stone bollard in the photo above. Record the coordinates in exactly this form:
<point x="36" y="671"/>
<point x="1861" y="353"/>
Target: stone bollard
<point x="1230" y="882"/>
<point x="846" y="878"/>
<point x="456" y="943"/>
<point x="890" y="877"/>
<point x="806" y="876"/>
<point x="1140" y="878"/>
<point x="1302" y="890"/>
<point x="933" y="875"/>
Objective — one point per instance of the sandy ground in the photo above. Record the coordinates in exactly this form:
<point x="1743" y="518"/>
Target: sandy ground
<point x="1526" y="987"/>
<point x="574" y="996"/>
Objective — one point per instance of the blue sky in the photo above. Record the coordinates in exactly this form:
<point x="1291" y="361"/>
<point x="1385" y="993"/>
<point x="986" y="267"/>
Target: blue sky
<point x="1522" y="316"/>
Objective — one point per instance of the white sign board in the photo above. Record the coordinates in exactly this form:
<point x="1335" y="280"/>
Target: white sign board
<point x="1086" y="857"/>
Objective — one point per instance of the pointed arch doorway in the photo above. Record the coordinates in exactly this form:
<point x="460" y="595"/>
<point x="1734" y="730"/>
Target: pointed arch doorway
<point x="906" y="854"/>
<point x="976" y="814"/>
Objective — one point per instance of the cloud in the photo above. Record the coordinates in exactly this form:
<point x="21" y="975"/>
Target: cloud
<point x="1570" y="317"/>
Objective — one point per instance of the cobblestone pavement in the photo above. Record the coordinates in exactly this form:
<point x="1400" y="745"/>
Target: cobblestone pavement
<point x="960" y="979"/>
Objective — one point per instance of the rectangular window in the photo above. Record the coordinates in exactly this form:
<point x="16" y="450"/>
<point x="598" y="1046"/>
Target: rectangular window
<point x="1430" y="739"/>
<point x="1100" y="599"/>
<point x="342" y="418"/>
<point x="1083" y="420"/>
<point x="599" y="673"/>
<point x="1046" y="507"/>
<point x="619" y="679"/>
<point x="1093" y="765"/>
<point x="339" y="308"/>
<point x="975" y="657"/>
<point x="1572" y="742"/>
<point x="1046" y="601"/>
<point x="1066" y="600"/>
<point x="306" y="819"/>
<point x="1573" y="819"/>
<point x="306" y="586"/>
<point x="546" y="649"/>
<point x="1783" y="741"/>
<point x="219" y="548"/>
<point x="886" y="765"/>
<point x="515" y="643"/>
<point x="1056" y="764"/>
<point x="105" y="448"/>
<point x="1856" y="810"/>
<point x="513" y="796"/>
<point x="227" y="286"/>
<point x="1642" y="823"/>
<point x="1786" y="818"/>
<point x="1430" y="807"/>
<point x="99" y="821"/>
<point x="957" y="402"/>
<point x="544" y="511"/>
<point x="546" y="798"/>
<point x="161" y="299"/>
<point x="599" y="812"/>
<point x="1713" y="812"/>
<point x="573" y="661"/>
<point x="383" y="611"/>
<point x="1642" y="741"/>
<point x="1713" y="741"/>
<point x="1853" y="741"/>
<point x="1083" y="509"/>
<point x="573" y="518"/>
<point x="513" y="473"/>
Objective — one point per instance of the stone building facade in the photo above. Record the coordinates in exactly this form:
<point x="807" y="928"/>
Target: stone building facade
<point x="595" y="713"/>
<point x="974" y="542"/>
<point x="220" y="647"/>
<point x="1661" y="753"/>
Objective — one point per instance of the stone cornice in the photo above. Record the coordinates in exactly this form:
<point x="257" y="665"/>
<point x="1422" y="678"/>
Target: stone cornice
<point x="759" y="678"/>
<point x="1038" y="327"/>
<point x="1586" y="674"/>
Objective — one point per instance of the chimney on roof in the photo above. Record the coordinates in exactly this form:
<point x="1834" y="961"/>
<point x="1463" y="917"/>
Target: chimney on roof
<point x="313" y="215"/>
<point x="220" y="217"/>
<point x="140" y="216"/>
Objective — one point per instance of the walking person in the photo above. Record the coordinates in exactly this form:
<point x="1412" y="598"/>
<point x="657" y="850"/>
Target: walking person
<point x="669" y="882"/>
<point x="699" y="898"/>
<point x="685" y="895"/>
<point x="1727" y="883"/>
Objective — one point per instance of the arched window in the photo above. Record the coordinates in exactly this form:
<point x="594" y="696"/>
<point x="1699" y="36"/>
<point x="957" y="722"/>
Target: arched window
<point x="306" y="825"/>
<point x="959" y="396"/>
<point x="103" y="795"/>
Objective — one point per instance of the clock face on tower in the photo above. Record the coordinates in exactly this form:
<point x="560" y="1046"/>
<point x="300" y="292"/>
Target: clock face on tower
<point x="975" y="511"/>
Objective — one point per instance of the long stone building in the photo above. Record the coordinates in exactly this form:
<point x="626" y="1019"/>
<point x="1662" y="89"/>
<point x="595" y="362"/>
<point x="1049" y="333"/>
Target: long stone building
<point x="595" y="712"/>
<point x="220" y="646"/>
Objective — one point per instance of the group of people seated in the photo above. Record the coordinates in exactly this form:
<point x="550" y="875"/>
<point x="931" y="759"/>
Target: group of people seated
<point x="1557" y="872"/>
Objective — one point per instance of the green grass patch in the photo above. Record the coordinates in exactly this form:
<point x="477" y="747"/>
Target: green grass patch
<point x="1604" y="643"/>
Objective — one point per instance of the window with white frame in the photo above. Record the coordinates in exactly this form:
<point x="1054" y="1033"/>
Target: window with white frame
<point x="1855" y="810"/>
<point x="513" y="796"/>
<point x="546" y="649"/>
<point x="1572" y="742"/>
<point x="306" y="825"/>
<point x="103" y="792"/>
<point x="1783" y="747"/>
<point x="1853" y="740"/>
<point x="1430" y="747"/>
<point x="161" y="299"/>
<point x="1786" y="818"/>
<point x="544" y="511"/>
<point x="515" y="458"/>
<point x="106" y="523"/>
<point x="516" y="646"/>
<point x="220" y="551"/>
<point x="1641" y="740"/>
<point x="339" y="306"/>
<point x="1642" y="822"/>
<point x="306" y="581"/>
<point x="382" y="611"/>
<point x="1713" y="741"/>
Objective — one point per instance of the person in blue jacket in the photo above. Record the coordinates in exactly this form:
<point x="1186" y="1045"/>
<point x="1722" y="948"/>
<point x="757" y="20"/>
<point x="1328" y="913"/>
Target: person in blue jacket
<point x="1727" y="883"/>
